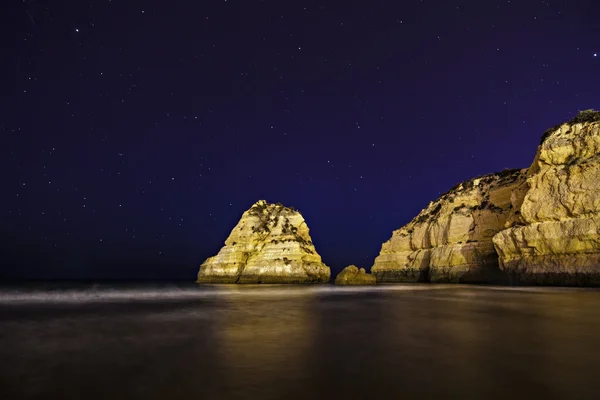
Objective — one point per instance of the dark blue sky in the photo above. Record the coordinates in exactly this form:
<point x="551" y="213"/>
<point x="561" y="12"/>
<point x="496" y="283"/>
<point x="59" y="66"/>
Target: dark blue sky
<point x="133" y="134"/>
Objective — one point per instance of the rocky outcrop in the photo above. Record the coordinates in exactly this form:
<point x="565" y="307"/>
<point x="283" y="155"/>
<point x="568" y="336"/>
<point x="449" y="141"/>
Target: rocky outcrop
<point x="270" y="244"/>
<point x="556" y="237"/>
<point x="351" y="275"/>
<point x="451" y="239"/>
<point x="539" y="225"/>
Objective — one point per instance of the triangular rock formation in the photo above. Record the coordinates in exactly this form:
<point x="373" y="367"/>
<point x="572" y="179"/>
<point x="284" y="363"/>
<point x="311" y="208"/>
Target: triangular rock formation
<point x="270" y="244"/>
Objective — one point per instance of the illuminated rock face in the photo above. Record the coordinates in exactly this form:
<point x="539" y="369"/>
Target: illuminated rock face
<point x="556" y="239"/>
<point x="534" y="226"/>
<point x="270" y="244"/>
<point x="351" y="275"/>
<point x="451" y="239"/>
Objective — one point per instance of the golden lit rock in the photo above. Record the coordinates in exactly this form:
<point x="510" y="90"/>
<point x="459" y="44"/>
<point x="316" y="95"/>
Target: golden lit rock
<point x="352" y="275"/>
<point x="556" y="239"/>
<point x="451" y="239"/>
<point x="270" y="244"/>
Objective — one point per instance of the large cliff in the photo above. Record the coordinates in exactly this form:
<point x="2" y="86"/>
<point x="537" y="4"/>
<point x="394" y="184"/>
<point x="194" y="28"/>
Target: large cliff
<point x="556" y="239"/>
<point x="451" y="239"/>
<point x="270" y="244"/>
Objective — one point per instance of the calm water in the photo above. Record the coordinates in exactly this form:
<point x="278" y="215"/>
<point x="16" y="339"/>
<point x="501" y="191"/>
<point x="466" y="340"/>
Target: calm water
<point x="298" y="342"/>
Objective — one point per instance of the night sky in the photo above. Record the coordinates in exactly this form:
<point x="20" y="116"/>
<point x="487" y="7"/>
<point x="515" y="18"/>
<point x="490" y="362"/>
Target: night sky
<point x="134" y="134"/>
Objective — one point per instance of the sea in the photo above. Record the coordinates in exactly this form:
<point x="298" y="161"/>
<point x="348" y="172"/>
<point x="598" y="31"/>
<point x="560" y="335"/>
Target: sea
<point x="185" y="341"/>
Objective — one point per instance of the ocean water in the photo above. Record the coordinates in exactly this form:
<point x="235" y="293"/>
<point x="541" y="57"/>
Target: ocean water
<point x="173" y="341"/>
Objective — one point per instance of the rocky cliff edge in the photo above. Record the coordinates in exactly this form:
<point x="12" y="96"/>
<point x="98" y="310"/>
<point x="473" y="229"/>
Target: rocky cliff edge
<point x="556" y="240"/>
<point x="451" y="239"/>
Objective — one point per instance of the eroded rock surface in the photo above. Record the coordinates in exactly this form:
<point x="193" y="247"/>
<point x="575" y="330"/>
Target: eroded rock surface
<point x="270" y="244"/>
<point x="352" y="275"/>
<point x="451" y="239"/>
<point x="556" y="237"/>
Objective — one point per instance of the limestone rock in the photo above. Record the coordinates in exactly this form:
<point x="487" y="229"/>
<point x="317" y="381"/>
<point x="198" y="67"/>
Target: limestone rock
<point x="451" y="239"/>
<point x="270" y="244"/>
<point x="556" y="240"/>
<point x="351" y="275"/>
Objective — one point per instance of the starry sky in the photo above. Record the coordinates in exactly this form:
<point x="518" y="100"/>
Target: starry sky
<point x="134" y="134"/>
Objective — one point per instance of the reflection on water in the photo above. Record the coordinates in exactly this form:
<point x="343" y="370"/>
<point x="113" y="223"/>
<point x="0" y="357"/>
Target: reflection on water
<point x="255" y="347"/>
<point x="299" y="342"/>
